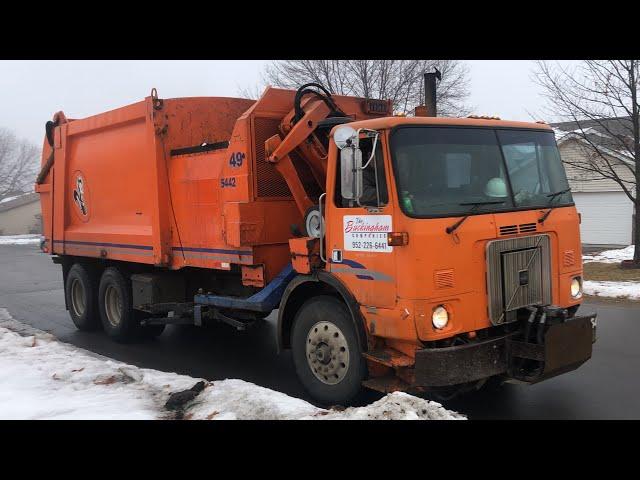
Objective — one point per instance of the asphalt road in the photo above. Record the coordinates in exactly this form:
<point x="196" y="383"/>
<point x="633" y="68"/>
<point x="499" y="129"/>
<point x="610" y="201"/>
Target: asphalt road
<point x="606" y="387"/>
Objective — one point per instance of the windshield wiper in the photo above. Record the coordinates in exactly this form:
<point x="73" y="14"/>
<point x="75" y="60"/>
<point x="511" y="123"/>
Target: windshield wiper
<point x="552" y="197"/>
<point x="473" y="209"/>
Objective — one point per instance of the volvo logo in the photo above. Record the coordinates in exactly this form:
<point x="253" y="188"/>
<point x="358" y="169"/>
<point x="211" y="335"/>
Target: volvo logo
<point x="523" y="277"/>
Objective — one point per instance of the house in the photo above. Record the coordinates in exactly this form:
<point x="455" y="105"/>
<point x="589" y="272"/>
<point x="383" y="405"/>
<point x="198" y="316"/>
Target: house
<point x="607" y="212"/>
<point x="20" y="214"/>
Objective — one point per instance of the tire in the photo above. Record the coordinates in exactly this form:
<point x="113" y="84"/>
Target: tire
<point x="321" y="329"/>
<point x="81" y="293"/>
<point x="119" y="320"/>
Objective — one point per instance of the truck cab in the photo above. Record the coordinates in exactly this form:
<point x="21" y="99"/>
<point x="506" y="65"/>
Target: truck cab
<point x="459" y="242"/>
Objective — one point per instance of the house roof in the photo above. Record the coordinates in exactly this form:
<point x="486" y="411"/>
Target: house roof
<point x="615" y="125"/>
<point x="612" y="136"/>
<point x="9" y="203"/>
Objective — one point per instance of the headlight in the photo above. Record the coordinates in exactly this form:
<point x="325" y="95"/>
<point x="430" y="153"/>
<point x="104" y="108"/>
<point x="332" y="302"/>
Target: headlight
<point x="440" y="317"/>
<point x="576" y="287"/>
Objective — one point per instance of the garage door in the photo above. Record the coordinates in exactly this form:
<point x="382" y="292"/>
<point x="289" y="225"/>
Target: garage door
<point x="606" y="217"/>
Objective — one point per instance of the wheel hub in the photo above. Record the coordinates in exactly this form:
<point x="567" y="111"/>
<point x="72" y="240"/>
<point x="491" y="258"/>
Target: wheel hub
<point x="113" y="305"/>
<point x="323" y="353"/>
<point x="327" y="353"/>
<point x="78" y="301"/>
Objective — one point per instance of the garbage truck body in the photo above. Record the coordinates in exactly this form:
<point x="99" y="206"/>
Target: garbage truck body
<point x="400" y="253"/>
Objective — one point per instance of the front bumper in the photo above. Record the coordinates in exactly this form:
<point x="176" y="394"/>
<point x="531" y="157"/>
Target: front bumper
<point x="565" y="347"/>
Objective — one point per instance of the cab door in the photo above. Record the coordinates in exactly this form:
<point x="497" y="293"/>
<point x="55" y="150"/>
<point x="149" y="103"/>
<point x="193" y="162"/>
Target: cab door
<point x="357" y="251"/>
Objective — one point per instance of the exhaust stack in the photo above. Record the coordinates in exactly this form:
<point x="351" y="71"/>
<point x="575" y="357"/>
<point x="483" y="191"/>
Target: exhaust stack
<point x="429" y="109"/>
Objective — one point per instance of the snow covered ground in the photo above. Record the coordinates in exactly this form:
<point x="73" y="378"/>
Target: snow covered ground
<point x="612" y="289"/>
<point x="43" y="378"/>
<point x="8" y="199"/>
<point x="610" y="256"/>
<point x="20" y="239"/>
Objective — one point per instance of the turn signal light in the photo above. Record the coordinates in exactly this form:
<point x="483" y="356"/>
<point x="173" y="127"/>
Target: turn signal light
<point x="397" y="239"/>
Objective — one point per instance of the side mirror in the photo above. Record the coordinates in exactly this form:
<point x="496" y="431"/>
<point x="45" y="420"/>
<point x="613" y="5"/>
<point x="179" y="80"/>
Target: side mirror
<point x="351" y="173"/>
<point x="345" y="136"/>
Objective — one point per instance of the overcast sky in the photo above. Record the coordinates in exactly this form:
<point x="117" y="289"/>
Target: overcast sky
<point x="31" y="91"/>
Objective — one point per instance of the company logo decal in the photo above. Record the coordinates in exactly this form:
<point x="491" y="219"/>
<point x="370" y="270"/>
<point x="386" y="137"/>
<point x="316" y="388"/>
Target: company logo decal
<point x="80" y="193"/>
<point x="367" y="233"/>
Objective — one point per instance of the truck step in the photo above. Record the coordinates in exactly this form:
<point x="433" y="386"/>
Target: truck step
<point x="188" y="314"/>
<point x="237" y="324"/>
<point x="389" y="357"/>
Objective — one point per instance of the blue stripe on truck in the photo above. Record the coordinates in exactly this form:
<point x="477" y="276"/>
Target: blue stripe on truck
<point x="100" y="244"/>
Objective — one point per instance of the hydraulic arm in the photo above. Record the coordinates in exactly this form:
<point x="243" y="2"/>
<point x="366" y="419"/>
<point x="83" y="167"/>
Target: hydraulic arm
<point x="305" y="129"/>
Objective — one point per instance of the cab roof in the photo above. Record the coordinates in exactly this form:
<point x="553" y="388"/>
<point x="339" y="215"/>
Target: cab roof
<point x="390" y="122"/>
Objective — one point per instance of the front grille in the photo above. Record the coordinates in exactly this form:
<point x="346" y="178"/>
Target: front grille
<point x="518" y="275"/>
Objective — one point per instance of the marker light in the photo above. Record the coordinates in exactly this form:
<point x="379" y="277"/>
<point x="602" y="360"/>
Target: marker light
<point x="576" y="287"/>
<point x="440" y="317"/>
<point x="397" y="239"/>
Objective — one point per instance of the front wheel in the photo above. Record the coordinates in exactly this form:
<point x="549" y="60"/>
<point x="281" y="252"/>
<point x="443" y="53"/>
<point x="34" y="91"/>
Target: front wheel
<point x="326" y="352"/>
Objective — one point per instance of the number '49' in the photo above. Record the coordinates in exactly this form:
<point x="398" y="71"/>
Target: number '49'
<point x="236" y="159"/>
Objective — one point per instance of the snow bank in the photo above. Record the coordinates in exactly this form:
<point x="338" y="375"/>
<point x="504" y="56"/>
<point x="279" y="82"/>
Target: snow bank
<point x="8" y="199"/>
<point x="611" y="256"/>
<point x="42" y="378"/>
<point x="396" y="406"/>
<point x="612" y="289"/>
<point x="20" y="239"/>
<point x="235" y="399"/>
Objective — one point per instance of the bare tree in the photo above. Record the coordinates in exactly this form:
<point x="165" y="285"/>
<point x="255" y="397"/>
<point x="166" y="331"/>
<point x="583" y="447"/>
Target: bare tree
<point x="18" y="164"/>
<point x="601" y="98"/>
<point x="397" y="80"/>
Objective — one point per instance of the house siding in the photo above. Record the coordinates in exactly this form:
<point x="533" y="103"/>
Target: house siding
<point x="21" y="220"/>
<point x="606" y="217"/>
<point x="582" y="181"/>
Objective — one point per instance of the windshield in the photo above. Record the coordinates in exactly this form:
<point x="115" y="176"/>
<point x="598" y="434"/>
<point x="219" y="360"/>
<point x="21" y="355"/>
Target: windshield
<point x="441" y="171"/>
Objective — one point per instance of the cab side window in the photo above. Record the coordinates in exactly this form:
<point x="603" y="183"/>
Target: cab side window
<point x="374" y="182"/>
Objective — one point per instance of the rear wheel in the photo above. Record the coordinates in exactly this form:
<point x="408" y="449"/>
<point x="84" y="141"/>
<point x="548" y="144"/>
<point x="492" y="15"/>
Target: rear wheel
<point x="82" y="296"/>
<point x="326" y="352"/>
<point x="119" y="320"/>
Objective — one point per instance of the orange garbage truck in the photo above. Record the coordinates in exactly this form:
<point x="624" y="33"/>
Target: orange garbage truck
<point x="400" y="253"/>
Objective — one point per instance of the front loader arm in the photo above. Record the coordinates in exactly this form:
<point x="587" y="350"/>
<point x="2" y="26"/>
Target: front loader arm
<point x="278" y="152"/>
<point x="285" y="167"/>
